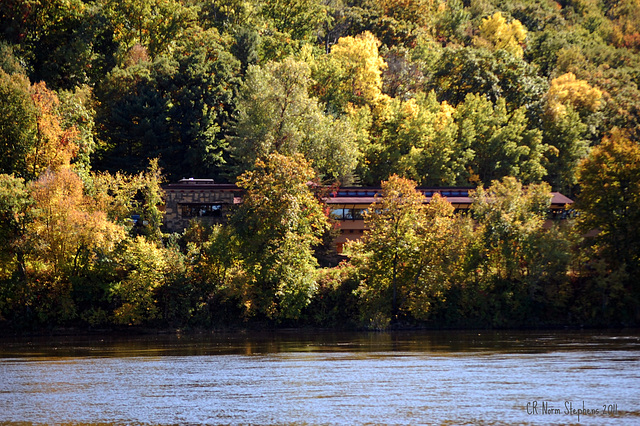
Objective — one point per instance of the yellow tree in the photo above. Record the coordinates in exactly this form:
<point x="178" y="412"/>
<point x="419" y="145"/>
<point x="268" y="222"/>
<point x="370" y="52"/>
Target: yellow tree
<point x="409" y="254"/>
<point x="33" y="134"/>
<point x="145" y="266"/>
<point x="55" y="144"/>
<point x="67" y="227"/>
<point x="568" y="91"/>
<point x="66" y="236"/>
<point x="352" y="73"/>
<point x="502" y="35"/>
<point x="610" y="195"/>
<point x="609" y="207"/>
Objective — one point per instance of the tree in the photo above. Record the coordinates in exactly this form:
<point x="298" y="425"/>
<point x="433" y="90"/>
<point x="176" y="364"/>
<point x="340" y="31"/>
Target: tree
<point x="17" y="124"/>
<point x="510" y="215"/>
<point x="172" y="108"/>
<point x="351" y="74"/>
<point x="409" y="254"/>
<point x="202" y="94"/>
<point x="452" y="20"/>
<point x="296" y="17"/>
<point x="55" y="143"/>
<point x="33" y="133"/>
<point x="498" y="143"/>
<point x="521" y="267"/>
<point x="66" y="238"/>
<point x="154" y="24"/>
<point x="566" y="91"/>
<point x="133" y="119"/>
<point x="610" y="194"/>
<point x="15" y="215"/>
<point x="445" y="245"/>
<point x="77" y="112"/>
<point x="67" y="228"/>
<point x="495" y="75"/>
<point x="145" y="267"/>
<point x="122" y="196"/>
<point x="626" y="19"/>
<point x="277" y="115"/>
<point x="415" y="139"/>
<point x="567" y="137"/>
<point x="503" y="35"/>
<point x="56" y="39"/>
<point x="277" y="224"/>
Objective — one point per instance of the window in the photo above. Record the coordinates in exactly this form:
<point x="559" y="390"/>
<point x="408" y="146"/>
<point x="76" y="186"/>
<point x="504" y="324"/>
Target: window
<point x="347" y="213"/>
<point x="356" y="214"/>
<point x="201" y="210"/>
<point x="337" y="214"/>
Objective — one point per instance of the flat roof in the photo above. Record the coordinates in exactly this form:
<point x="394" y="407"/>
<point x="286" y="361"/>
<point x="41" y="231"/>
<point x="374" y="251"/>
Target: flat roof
<point x="355" y="195"/>
<point x="557" y="199"/>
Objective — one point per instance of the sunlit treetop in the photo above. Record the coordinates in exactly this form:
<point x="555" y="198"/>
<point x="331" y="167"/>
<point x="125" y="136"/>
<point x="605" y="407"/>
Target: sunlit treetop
<point x="502" y="35"/>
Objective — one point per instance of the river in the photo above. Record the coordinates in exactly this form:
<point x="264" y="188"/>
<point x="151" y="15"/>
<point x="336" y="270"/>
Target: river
<point x="309" y="378"/>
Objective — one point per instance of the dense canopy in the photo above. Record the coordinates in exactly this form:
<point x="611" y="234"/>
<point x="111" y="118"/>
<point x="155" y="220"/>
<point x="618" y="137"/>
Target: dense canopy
<point x="101" y="101"/>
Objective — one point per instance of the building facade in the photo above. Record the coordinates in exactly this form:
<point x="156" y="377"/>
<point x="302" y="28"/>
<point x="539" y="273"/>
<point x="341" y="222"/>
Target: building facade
<point x="200" y="199"/>
<point x="211" y="203"/>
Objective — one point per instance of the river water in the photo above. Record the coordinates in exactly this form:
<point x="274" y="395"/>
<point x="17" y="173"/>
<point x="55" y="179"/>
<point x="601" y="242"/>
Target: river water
<point x="404" y="378"/>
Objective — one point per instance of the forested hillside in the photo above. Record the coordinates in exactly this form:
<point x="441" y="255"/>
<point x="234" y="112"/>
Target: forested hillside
<point x="102" y="101"/>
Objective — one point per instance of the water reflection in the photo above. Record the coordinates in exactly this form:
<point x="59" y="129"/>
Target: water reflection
<point x="258" y="343"/>
<point x="322" y="378"/>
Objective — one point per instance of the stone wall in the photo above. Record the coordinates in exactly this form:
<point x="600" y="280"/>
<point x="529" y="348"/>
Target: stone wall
<point x="175" y="197"/>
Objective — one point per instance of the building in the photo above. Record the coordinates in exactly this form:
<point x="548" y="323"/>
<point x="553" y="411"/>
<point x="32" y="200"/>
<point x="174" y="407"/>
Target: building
<point x="348" y="204"/>
<point x="198" y="198"/>
<point x="211" y="203"/>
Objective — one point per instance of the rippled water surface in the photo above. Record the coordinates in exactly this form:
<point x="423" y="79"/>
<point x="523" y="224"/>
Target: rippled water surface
<point x="324" y="378"/>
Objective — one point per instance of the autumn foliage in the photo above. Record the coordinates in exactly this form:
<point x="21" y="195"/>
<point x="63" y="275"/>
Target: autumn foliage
<point x="101" y="102"/>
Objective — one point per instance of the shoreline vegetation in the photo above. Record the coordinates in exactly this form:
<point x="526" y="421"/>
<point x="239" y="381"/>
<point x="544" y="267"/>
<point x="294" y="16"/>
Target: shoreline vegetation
<point x="103" y="102"/>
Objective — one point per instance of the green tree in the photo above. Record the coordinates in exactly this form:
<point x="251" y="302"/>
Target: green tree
<point x="510" y="215"/>
<point x="18" y="124"/>
<point x="495" y="75"/>
<point x="498" y="143"/>
<point x="452" y="20"/>
<point x="133" y="118"/>
<point x="55" y="38"/>
<point x="296" y="17"/>
<point x="154" y="24"/>
<point x="416" y="139"/>
<point x="276" y="114"/>
<point x="15" y="215"/>
<point x="277" y="224"/>
<point x="567" y="137"/>
<point x="77" y="112"/>
<point x="172" y="108"/>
